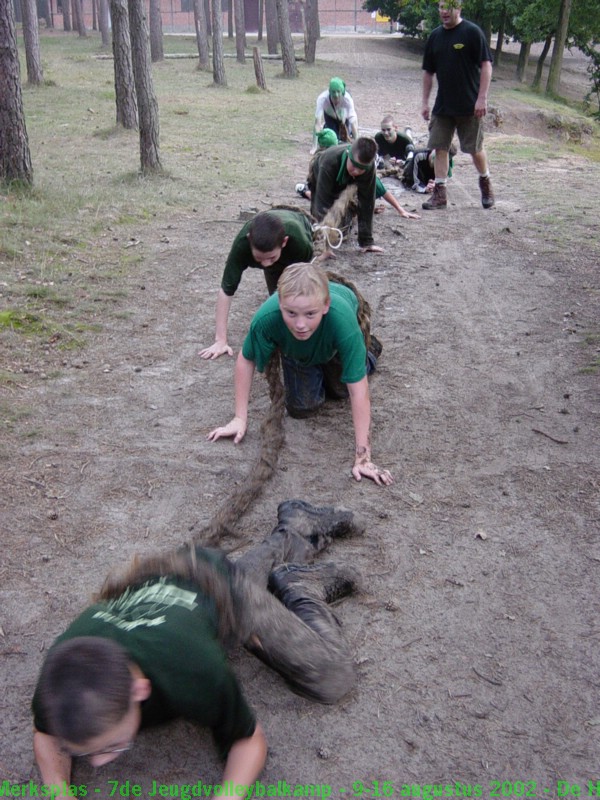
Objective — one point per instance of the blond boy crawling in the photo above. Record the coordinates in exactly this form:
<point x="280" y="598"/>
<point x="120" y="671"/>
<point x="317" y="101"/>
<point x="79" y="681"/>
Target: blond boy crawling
<point x="313" y="321"/>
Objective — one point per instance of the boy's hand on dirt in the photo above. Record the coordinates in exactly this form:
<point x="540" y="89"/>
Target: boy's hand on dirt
<point x="236" y="429"/>
<point x="410" y="215"/>
<point x="367" y="469"/>
<point x="372" y="248"/>
<point x="215" y="350"/>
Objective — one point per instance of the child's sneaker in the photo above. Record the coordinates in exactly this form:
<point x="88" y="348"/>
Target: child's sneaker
<point x="301" y="189"/>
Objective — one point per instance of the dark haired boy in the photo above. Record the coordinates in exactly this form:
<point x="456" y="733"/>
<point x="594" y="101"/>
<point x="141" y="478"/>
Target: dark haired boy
<point x="270" y="241"/>
<point x="153" y="646"/>
<point x="337" y="168"/>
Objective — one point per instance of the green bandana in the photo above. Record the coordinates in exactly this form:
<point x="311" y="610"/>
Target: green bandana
<point x="327" y="138"/>
<point x="358" y="165"/>
<point x="337" y="85"/>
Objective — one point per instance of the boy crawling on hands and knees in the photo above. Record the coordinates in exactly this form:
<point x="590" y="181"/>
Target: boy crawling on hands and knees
<point x="313" y="321"/>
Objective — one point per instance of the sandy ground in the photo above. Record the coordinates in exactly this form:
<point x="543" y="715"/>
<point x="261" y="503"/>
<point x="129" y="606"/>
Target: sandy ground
<point x="477" y="637"/>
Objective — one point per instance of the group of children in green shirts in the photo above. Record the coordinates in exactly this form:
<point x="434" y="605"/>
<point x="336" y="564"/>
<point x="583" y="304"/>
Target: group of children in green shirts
<point x="153" y="645"/>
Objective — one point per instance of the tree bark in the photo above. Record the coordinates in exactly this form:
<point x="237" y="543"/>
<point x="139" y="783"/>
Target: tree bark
<point x="540" y="64"/>
<point x="78" y="19"/>
<point x="201" y="35"/>
<point x="261" y="15"/>
<point x="31" y="38"/>
<point x="272" y="27"/>
<point x="157" y="52"/>
<point x="208" y="16"/>
<point x="553" y="83"/>
<point x="217" y="40"/>
<point x="230" y="19"/>
<point x="126" y="100"/>
<point x="290" y="69"/>
<point x="500" y="40"/>
<point x="258" y="69"/>
<point x="46" y="13"/>
<point x="240" y="31"/>
<point x="103" y="23"/>
<point x="66" y="10"/>
<point x="523" y="61"/>
<point x="144" y="88"/>
<point x="15" y="158"/>
<point x="311" y="30"/>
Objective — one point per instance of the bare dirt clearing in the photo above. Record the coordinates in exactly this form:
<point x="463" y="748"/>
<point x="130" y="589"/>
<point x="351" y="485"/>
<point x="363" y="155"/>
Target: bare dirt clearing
<point x="477" y="639"/>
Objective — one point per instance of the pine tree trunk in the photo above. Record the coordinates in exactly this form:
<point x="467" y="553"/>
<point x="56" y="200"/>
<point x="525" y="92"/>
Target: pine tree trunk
<point x="311" y="33"/>
<point x="208" y="16"/>
<point x="46" y="13"/>
<point x="540" y="64"/>
<point x="261" y="16"/>
<point x="103" y="23"/>
<point x="240" y="32"/>
<point x="157" y="52"/>
<point x="500" y="40"/>
<point x="272" y="27"/>
<point x="31" y="37"/>
<point x="285" y="34"/>
<point x="553" y="84"/>
<point x="144" y="87"/>
<point x="78" y="19"/>
<point x="127" y="113"/>
<point x="66" y="10"/>
<point x="258" y="69"/>
<point x="15" y="158"/>
<point x="217" y="40"/>
<point x="523" y="61"/>
<point x="201" y="35"/>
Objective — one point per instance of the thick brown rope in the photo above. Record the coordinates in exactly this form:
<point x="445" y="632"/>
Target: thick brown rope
<point x="364" y="309"/>
<point x="272" y="438"/>
<point x="184" y="563"/>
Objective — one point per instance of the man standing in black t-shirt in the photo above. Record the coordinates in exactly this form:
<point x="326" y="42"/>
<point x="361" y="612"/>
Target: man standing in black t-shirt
<point x="458" y="55"/>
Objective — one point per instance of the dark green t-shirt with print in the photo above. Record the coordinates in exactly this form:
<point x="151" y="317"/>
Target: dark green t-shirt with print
<point x="169" y="629"/>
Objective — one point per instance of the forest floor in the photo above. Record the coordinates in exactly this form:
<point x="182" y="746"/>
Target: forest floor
<point x="477" y="637"/>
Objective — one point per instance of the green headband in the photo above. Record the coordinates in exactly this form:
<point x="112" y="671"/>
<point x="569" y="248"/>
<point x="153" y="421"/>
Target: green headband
<point x="357" y="164"/>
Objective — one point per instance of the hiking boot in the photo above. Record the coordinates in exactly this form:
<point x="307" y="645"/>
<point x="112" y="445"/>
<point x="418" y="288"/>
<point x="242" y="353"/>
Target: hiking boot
<point x="326" y="582"/>
<point x="375" y="346"/>
<point x="438" y="198"/>
<point x="487" y="193"/>
<point x="318" y="525"/>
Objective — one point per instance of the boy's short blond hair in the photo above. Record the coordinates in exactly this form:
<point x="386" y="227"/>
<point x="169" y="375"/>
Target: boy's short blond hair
<point x="305" y="280"/>
<point x="388" y="120"/>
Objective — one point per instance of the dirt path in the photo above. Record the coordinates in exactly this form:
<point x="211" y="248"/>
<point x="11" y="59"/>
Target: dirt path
<point x="477" y="638"/>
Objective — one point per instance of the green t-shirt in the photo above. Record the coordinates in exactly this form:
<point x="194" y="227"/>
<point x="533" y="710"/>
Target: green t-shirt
<point x="338" y="332"/>
<point x="299" y="248"/>
<point x="169" y="629"/>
